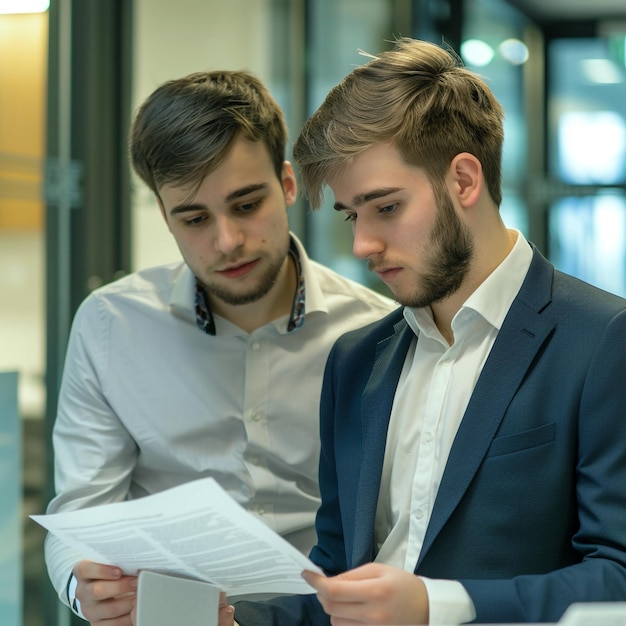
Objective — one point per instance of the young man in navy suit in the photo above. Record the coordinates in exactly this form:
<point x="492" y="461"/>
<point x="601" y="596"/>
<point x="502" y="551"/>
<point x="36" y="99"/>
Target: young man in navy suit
<point x="473" y="461"/>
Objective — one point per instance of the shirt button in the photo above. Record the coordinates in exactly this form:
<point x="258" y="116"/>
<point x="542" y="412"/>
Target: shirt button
<point x="260" y="510"/>
<point x="255" y="346"/>
<point x="419" y="514"/>
<point x="428" y="437"/>
<point x="255" y="416"/>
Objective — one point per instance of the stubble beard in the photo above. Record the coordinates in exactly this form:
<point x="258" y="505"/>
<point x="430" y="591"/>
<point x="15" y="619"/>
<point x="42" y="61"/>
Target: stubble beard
<point x="261" y="287"/>
<point x="448" y="258"/>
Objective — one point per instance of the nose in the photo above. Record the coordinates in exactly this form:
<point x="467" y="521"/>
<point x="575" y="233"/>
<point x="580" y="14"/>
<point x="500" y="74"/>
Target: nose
<point x="228" y="236"/>
<point x="367" y="241"/>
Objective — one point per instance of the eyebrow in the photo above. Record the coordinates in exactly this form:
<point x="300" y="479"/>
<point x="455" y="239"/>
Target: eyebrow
<point x="234" y="195"/>
<point x="362" y="198"/>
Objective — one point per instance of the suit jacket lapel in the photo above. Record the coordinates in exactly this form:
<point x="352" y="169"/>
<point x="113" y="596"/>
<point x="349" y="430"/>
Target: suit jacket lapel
<point x="375" y="412"/>
<point x="522" y="334"/>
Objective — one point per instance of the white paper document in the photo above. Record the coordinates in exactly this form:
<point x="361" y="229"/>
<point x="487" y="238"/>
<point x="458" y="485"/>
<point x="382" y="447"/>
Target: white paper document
<point x="195" y="531"/>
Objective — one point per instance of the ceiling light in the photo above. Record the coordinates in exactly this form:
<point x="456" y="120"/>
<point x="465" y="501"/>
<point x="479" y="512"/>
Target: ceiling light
<point x="476" y="52"/>
<point x="514" y="51"/>
<point x="23" y="6"/>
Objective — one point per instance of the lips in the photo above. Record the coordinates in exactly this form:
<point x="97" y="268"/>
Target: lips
<point x="388" y="274"/>
<point x="236" y="271"/>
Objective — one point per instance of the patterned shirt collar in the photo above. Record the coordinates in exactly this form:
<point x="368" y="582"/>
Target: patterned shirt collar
<point x="204" y="316"/>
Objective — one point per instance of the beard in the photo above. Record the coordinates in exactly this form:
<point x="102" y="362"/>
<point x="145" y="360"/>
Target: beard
<point x="447" y="258"/>
<point x="262" y="286"/>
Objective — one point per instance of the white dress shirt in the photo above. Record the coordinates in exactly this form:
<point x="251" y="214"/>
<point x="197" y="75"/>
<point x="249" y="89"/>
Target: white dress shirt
<point x="149" y="401"/>
<point x="433" y="392"/>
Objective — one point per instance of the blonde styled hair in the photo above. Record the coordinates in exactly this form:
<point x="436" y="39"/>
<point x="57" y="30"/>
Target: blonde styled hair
<point x="418" y="97"/>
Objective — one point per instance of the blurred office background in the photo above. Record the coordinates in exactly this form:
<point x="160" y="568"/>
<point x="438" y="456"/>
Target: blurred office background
<point x="72" y="217"/>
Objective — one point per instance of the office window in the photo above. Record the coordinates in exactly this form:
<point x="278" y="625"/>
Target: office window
<point x="587" y="238"/>
<point x="591" y="147"/>
<point x="587" y="159"/>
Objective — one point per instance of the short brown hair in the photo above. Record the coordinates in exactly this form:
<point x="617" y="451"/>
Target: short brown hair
<point x="418" y="97"/>
<point x="185" y="128"/>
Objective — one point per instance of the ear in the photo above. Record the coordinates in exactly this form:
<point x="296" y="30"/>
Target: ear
<point x="467" y="178"/>
<point x="288" y="181"/>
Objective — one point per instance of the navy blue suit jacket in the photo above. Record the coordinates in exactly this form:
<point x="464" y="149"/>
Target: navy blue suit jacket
<point x="530" y="515"/>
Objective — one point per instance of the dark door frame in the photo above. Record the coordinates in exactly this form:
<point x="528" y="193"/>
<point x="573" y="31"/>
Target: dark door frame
<point x="87" y="179"/>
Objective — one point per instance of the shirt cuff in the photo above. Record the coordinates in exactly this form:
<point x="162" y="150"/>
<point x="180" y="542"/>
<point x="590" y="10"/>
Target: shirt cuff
<point x="73" y="601"/>
<point x="448" y="602"/>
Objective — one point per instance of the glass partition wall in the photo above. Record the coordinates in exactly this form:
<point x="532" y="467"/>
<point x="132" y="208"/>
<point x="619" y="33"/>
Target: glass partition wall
<point x="587" y="157"/>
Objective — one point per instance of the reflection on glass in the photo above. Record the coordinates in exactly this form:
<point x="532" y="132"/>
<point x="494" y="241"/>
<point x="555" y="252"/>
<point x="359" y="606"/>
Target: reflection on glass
<point x="592" y="147"/>
<point x="588" y="239"/>
<point x="587" y="111"/>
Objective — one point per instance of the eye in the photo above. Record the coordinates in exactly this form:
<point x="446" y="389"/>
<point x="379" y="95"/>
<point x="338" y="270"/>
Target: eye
<point x="195" y="221"/>
<point x="388" y="208"/>
<point x="350" y="217"/>
<point x="248" y="207"/>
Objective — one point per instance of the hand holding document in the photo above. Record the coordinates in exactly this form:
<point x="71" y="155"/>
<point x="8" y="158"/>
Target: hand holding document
<point x="195" y="530"/>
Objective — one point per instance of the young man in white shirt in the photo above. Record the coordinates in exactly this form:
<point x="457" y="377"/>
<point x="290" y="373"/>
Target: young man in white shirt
<point x="211" y="366"/>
